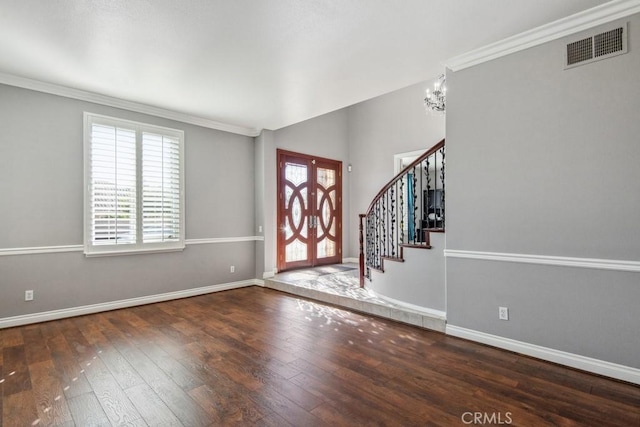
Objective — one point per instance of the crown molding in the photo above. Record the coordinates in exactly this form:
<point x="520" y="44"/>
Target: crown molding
<point x="581" y="21"/>
<point x="96" y="98"/>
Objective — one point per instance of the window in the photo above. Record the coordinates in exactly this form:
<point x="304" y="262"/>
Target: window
<point x="134" y="180"/>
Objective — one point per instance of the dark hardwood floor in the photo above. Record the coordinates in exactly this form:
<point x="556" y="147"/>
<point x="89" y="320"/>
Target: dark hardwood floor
<point x="255" y="356"/>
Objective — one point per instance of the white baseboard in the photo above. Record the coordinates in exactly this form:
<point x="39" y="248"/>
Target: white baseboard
<point x="350" y="260"/>
<point x="417" y="308"/>
<point x="596" y="366"/>
<point x="45" y="316"/>
<point x="268" y="274"/>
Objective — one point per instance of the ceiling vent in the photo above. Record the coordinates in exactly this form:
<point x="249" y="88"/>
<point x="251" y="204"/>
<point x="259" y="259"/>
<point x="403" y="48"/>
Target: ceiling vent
<point x="600" y="46"/>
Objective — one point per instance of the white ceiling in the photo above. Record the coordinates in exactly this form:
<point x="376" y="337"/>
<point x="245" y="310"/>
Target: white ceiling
<point x="254" y="63"/>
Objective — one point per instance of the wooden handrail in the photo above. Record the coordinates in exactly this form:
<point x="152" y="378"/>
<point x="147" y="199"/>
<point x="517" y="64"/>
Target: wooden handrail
<point x="401" y="174"/>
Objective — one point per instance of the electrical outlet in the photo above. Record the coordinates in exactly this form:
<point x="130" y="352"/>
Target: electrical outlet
<point x="28" y="295"/>
<point x="233" y="269"/>
<point x="259" y="229"/>
<point x="503" y="313"/>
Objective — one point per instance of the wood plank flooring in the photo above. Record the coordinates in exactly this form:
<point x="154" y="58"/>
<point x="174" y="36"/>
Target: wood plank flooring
<point x="255" y="356"/>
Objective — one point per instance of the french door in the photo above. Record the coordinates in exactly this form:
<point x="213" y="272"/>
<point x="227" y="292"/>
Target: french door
<point x="309" y="211"/>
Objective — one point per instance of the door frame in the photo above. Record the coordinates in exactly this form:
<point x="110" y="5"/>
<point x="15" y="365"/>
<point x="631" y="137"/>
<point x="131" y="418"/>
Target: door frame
<point x="280" y="217"/>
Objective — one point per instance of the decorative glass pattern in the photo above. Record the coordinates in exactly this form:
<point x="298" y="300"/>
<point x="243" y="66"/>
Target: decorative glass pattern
<point x="296" y="205"/>
<point x="326" y="177"/>
<point x="326" y="207"/>
<point x="296" y="251"/>
<point x="310" y="198"/>
<point x="326" y="248"/>
<point x="296" y="212"/>
<point x="295" y="173"/>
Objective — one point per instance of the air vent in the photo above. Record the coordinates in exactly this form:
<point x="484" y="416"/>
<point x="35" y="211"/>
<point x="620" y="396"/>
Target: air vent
<point x="608" y="43"/>
<point x="580" y="51"/>
<point x="600" y="46"/>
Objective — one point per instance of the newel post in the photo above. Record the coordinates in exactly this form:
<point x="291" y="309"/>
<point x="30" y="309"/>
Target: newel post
<point x="361" y="228"/>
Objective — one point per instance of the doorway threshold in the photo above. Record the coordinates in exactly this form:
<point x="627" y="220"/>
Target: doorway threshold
<point x="339" y="285"/>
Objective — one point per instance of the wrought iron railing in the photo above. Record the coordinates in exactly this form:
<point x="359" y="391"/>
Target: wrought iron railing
<point x="404" y="212"/>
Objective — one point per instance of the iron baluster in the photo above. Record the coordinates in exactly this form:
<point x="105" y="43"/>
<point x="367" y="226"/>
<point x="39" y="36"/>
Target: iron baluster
<point x="401" y="205"/>
<point x="442" y="208"/>
<point x="415" y="206"/>
<point x="377" y="236"/>
<point x="383" y="230"/>
<point x="428" y="201"/>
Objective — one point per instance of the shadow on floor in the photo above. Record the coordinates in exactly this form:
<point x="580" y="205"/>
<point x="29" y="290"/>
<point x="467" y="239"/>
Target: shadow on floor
<point x="339" y="285"/>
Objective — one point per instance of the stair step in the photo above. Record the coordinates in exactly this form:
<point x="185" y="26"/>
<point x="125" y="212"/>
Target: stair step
<point x="418" y="246"/>
<point x="393" y="258"/>
<point x="354" y="302"/>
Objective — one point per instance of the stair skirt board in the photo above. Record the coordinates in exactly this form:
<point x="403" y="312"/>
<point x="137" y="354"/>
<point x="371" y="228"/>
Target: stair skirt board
<point x="425" y="311"/>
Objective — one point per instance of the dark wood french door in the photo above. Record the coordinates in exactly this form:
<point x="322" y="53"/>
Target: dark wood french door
<point x="309" y="211"/>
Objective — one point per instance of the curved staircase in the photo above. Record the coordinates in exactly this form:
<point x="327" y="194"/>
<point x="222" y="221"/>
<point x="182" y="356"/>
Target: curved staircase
<point x="404" y="213"/>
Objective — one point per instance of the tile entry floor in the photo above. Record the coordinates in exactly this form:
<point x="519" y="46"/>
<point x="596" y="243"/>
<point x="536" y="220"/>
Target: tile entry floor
<point x="339" y="285"/>
<point x="338" y="279"/>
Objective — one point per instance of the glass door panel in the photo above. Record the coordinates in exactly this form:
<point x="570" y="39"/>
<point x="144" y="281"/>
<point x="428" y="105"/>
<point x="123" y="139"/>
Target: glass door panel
<point x="327" y="213"/>
<point x="309" y="211"/>
<point x="295" y="211"/>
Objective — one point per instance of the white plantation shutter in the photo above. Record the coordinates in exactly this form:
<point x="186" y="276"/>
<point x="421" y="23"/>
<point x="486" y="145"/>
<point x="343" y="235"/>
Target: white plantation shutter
<point x="134" y="176"/>
<point x="160" y="188"/>
<point x="113" y="185"/>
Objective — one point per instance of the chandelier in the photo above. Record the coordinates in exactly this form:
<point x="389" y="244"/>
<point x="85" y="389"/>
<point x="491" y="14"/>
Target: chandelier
<point x="435" y="101"/>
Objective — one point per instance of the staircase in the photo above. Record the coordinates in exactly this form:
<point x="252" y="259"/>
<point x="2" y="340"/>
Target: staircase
<point x="404" y="213"/>
<point x="401" y="218"/>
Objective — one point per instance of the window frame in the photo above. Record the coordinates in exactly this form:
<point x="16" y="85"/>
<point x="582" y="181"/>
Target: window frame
<point x="139" y="247"/>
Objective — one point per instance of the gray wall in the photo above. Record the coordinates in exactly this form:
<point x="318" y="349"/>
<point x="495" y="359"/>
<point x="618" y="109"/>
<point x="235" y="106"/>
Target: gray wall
<point x="544" y="161"/>
<point x="41" y="204"/>
<point x="419" y="281"/>
<point x="366" y="135"/>
<point x="265" y="193"/>
<point x="259" y="194"/>
<point x="379" y="128"/>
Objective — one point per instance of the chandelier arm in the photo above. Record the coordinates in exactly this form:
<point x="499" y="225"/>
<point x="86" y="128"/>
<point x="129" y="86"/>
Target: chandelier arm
<point x="436" y="100"/>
